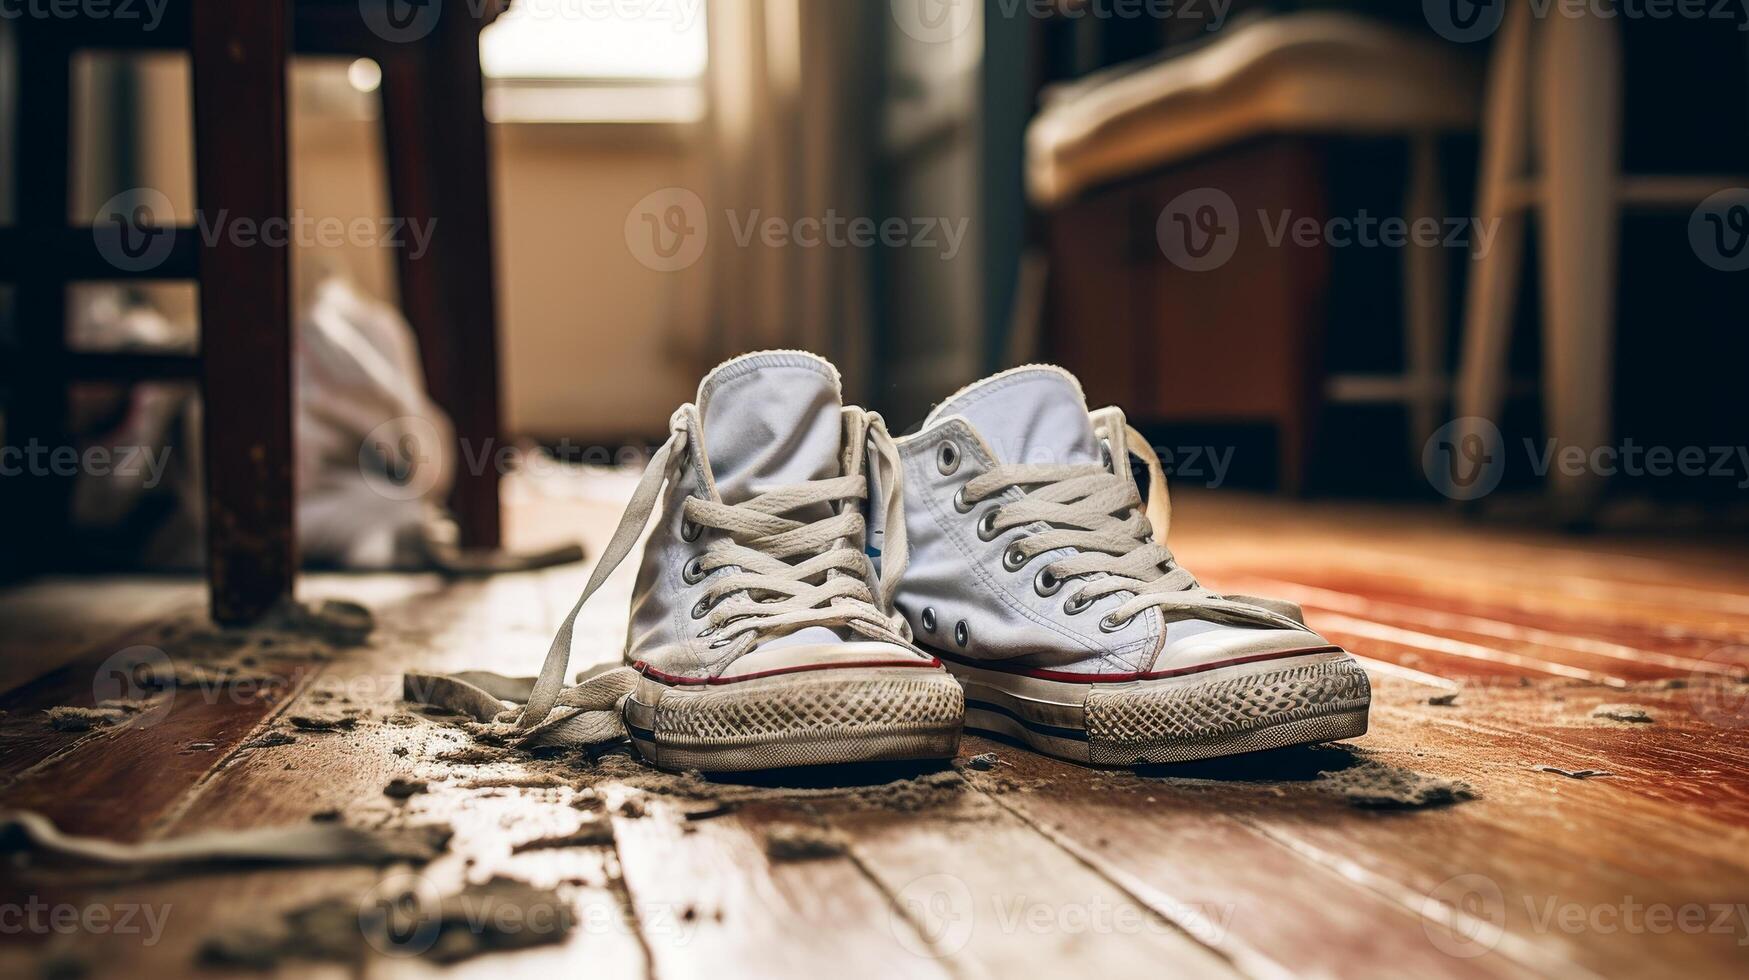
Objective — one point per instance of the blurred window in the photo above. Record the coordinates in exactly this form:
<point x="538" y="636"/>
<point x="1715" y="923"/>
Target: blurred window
<point x="596" y="61"/>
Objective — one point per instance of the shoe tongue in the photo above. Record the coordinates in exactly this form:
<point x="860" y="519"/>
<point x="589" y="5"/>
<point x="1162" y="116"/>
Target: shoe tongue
<point x="771" y="420"/>
<point x="1028" y="415"/>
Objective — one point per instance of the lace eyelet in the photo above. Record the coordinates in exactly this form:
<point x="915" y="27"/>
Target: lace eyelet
<point x="1111" y="624"/>
<point x="707" y="632"/>
<point x="947" y="459"/>
<point x="702" y="609"/>
<point x="1014" y="559"/>
<point x="1105" y="459"/>
<point x="719" y="644"/>
<point x="690" y="531"/>
<point x="1046" y="584"/>
<point x="1077" y="605"/>
<point x="694" y="572"/>
<point x="962" y="634"/>
<point x="987" y="525"/>
<point x="960" y="503"/>
<point x="928" y="620"/>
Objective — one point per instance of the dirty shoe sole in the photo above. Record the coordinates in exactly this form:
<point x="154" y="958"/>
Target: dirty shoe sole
<point x="1296" y="698"/>
<point x="802" y="718"/>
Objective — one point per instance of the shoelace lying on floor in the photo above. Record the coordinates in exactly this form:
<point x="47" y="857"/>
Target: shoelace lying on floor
<point x="767" y="597"/>
<point x="1099" y="514"/>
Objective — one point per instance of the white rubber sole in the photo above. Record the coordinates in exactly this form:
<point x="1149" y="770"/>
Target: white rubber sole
<point x="805" y="718"/>
<point x="1229" y="710"/>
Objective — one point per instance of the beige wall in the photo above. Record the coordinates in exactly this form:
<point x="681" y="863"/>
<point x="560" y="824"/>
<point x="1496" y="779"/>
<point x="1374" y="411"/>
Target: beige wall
<point x="586" y="332"/>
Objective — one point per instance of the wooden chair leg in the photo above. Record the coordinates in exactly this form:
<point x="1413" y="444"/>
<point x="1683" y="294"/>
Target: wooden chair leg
<point x="1494" y="277"/>
<point x="38" y="412"/>
<point x="1580" y="141"/>
<point x="1425" y="296"/>
<point x="238" y="53"/>
<point x="440" y="176"/>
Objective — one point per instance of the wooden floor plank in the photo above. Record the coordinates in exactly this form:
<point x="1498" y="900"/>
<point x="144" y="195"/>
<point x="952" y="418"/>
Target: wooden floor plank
<point x="998" y="900"/>
<point x="1268" y="910"/>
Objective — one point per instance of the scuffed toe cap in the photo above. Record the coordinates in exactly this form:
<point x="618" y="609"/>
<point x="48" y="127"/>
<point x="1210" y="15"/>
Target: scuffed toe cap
<point x="1199" y="645"/>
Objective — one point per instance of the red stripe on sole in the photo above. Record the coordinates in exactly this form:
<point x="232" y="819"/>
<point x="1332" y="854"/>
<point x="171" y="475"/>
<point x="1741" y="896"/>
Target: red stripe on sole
<point x="1066" y="677"/>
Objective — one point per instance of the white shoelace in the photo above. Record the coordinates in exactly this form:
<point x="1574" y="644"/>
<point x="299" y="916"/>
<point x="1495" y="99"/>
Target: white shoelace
<point x="1099" y="514"/>
<point x="766" y="596"/>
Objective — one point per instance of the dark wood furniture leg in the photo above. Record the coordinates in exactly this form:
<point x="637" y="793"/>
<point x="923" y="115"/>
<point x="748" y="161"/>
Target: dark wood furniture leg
<point x="238" y="52"/>
<point x="36" y="418"/>
<point x="440" y="171"/>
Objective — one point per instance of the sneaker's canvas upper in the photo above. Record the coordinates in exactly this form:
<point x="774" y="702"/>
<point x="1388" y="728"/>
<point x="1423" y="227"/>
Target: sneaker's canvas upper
<point x="762" y="422"/>
<point x="1034" y="415"/>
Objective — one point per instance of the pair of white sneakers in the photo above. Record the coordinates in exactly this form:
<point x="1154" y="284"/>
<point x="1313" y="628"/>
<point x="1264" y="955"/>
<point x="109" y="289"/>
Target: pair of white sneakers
<point x="817" y="592"/>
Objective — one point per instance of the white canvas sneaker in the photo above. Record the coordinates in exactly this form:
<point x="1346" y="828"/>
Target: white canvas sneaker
<point x="760" y="635"/>
<point x="1043" y="582"/>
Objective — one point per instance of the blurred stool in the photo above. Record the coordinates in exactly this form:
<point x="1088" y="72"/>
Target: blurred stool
<point x="1241" y="114"/>
<point x="438" y="173"/>
<point x="1554" y="86"/>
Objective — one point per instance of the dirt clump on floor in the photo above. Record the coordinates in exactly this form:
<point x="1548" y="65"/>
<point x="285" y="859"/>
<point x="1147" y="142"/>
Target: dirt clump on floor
<point x="72" y="719"/>
<point x="983" y="763"/>
<point x="592" y="833"/>
<point x="499" y="915"/>
<point x="1629" y="713"/>
<point x="401" y="788"/>
<point x="789" y="842"/>
<point x="1376" y="786"/>
<point x="1572" y="773"/>
<point x="475" y="755"/>
<point x="269" y="740"/>
<point x="323" y="723"/>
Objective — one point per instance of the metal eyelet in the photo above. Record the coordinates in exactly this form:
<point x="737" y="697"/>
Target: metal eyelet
<point x="690" y="531"/>
<point x="947" y="459"/>
<point x="960" y="503"/>
<point x="928" y="619"/>
<point x="694" y="572"/>
<point x="1111" y="624"/>
<point x="702" y="609"/>
<point x="1046" y="584"/>
<point x="707" y="632"/>
<point x="1077" y="605"/>
<point x="962" y="634"/>
<point x="719" y="644"/>
<point x="987" y="525"/>
<point x="1014" y="559"/>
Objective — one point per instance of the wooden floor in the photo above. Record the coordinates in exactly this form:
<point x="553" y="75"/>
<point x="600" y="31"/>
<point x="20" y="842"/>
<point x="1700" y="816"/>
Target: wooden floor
<point x="1258" y="867"/>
